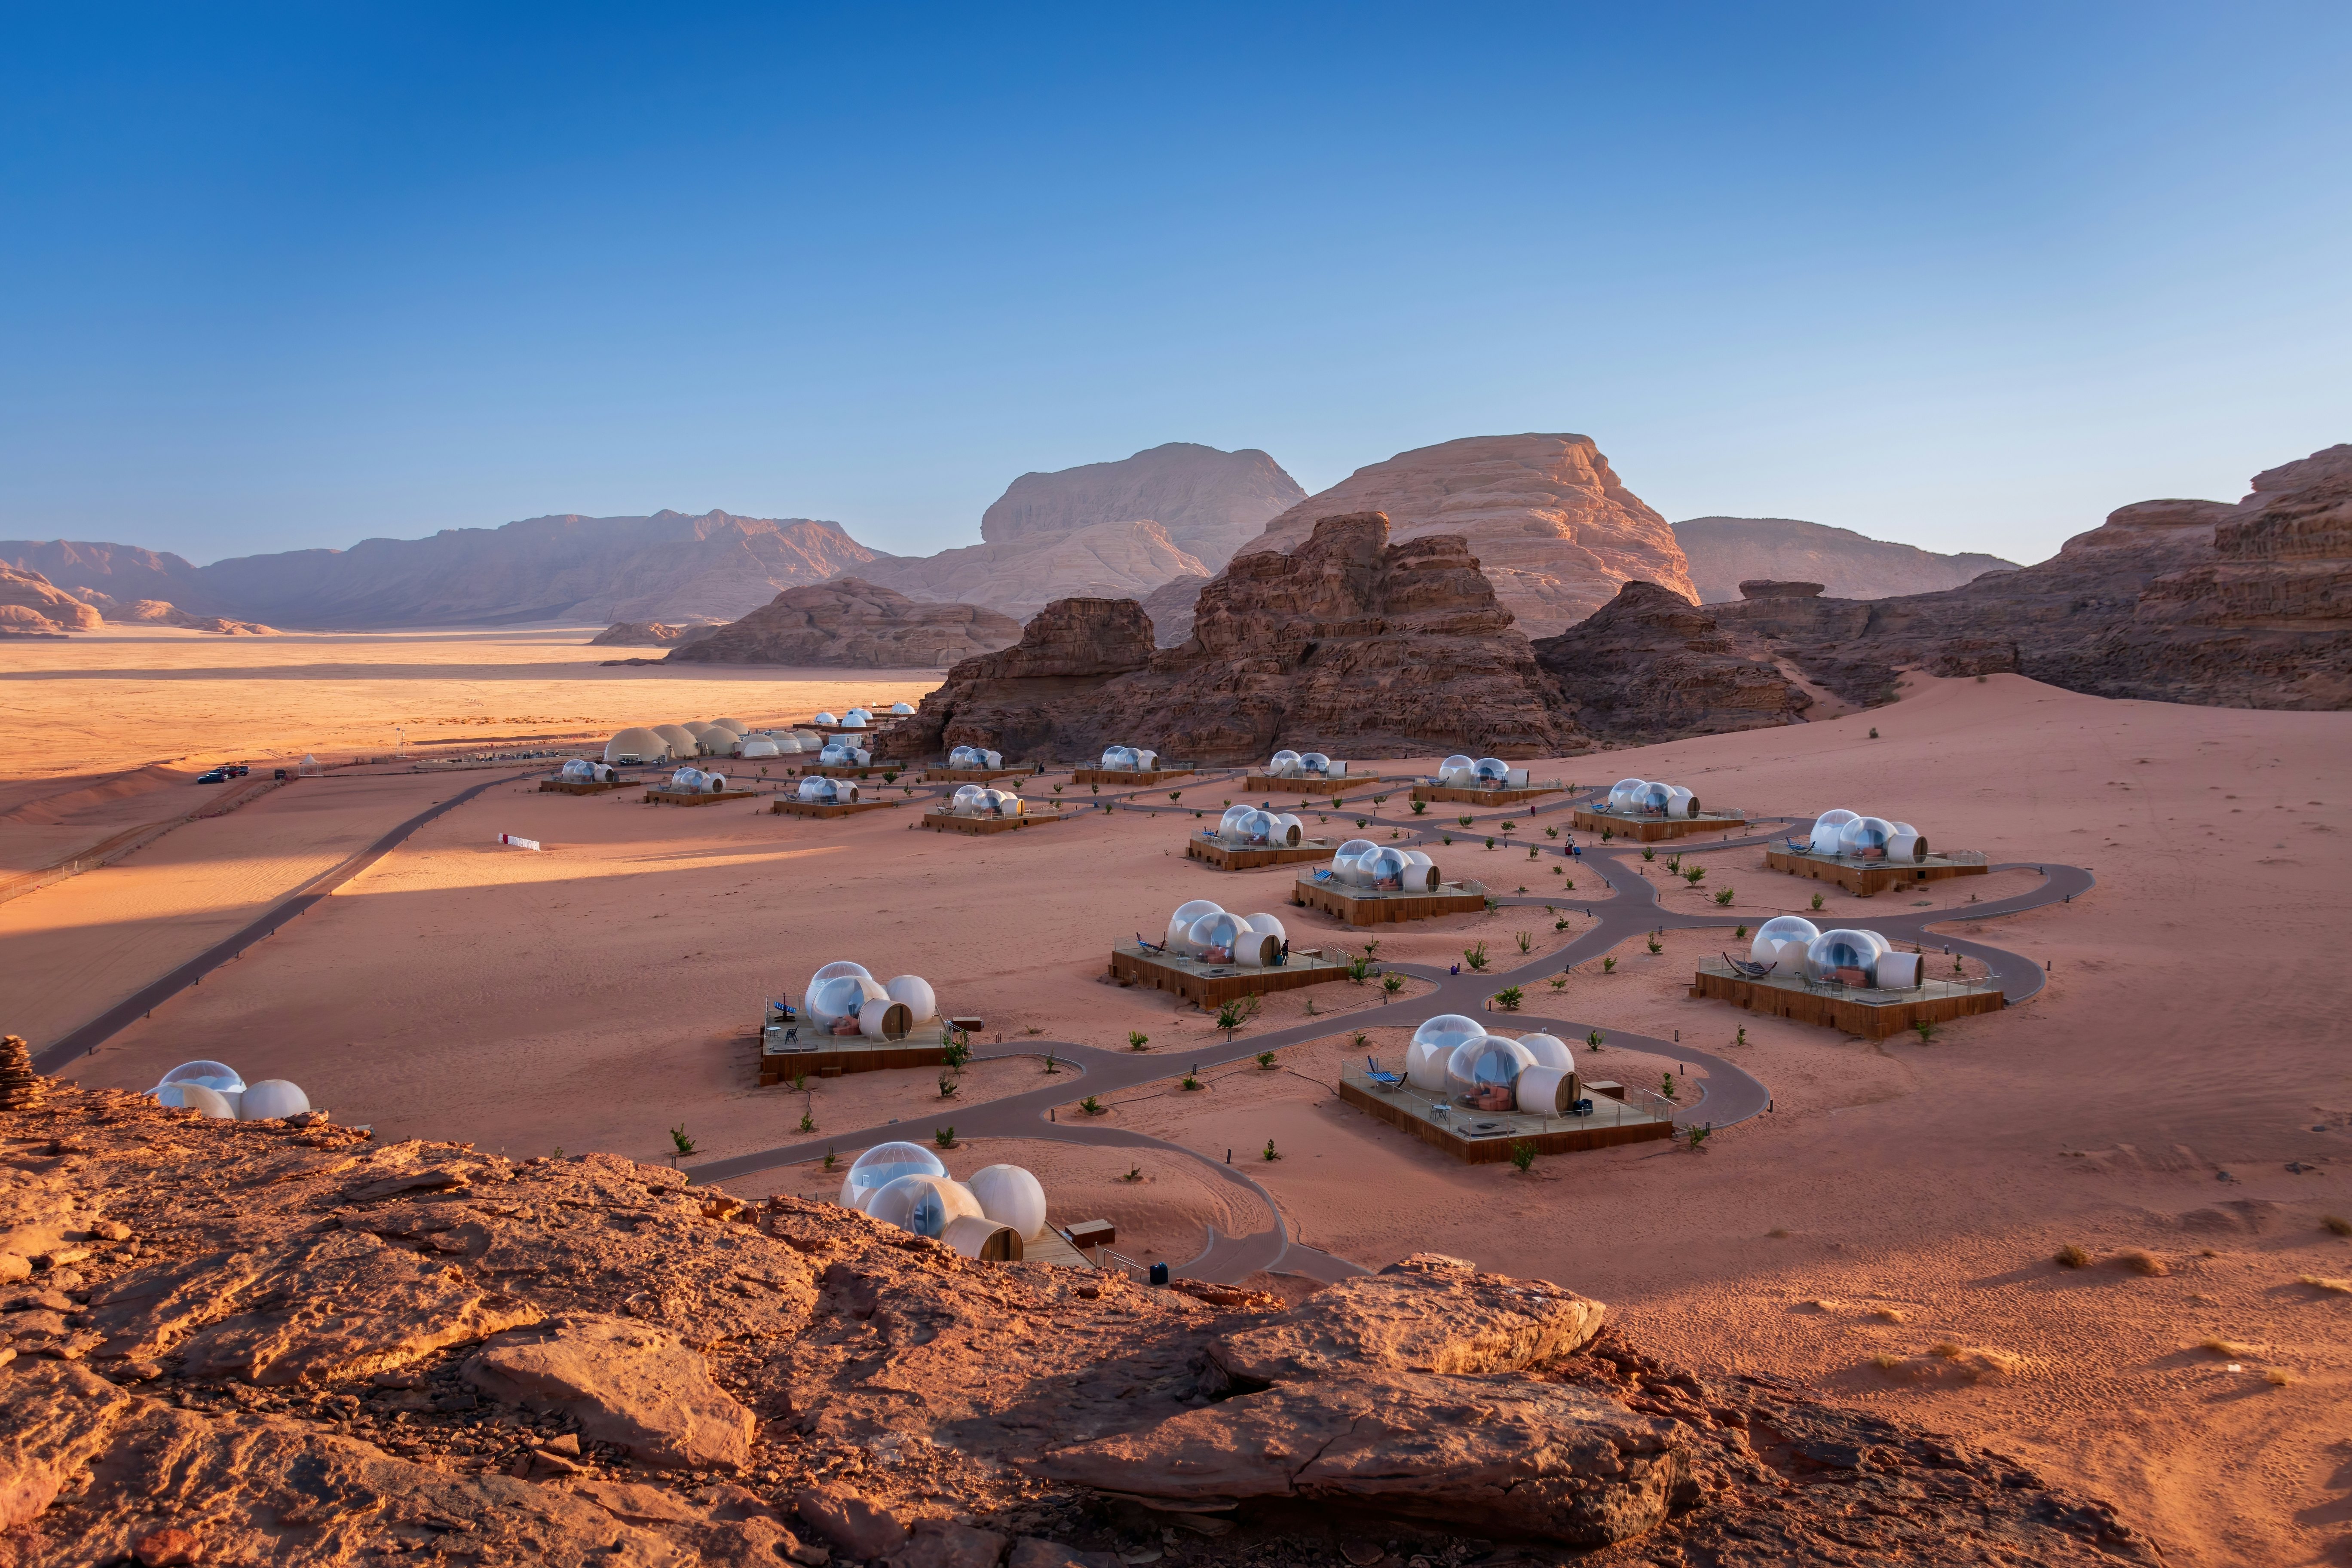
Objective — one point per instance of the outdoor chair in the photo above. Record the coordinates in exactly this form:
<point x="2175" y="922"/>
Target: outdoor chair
<point x="1385" y="1080"/>
<point x="1744" y="967"/>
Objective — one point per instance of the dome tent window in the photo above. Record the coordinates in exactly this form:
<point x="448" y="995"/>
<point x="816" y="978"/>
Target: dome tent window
<point x="1845" y="957"/>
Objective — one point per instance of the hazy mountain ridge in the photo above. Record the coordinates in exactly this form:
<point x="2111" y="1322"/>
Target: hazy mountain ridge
<point x="1723" y="552"/>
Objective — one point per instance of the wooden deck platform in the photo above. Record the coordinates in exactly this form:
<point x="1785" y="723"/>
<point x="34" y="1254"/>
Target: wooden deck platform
<point x="567" y="786"/>
<point x="1604" y="1133"/>
<point x="856" y="1056"/>
<point x="1868" y="877"/>
<point x="697" y="797"/>
<point x="1208" y="851"/>
<point x="1447" y="793"/>
<point x="1266" y="784"/>
<point x="948" y="822"/>
<point x="1119" y="776"/>
<point x="828" y="809"/>
<point x="1653" y="829"/>
<point x="1211" y="985"/>
<point x="1937" y="1002"/>
<point x="971" y="776"/>
<point x="1360" y="908"/>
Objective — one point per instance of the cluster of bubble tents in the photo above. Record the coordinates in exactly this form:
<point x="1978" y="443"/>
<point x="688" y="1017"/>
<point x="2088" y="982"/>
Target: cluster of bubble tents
<point x="1383" y="868"/>
<point x="1454" y="1056"/>
<point x="859" y="718"/>
<point x="1646" y="798"/>
<point x="1206" y="932"/>
<point x="975" y="759"/>
<point x="844" y="998"/>
<point x="990" y="1216"/>
<point x="1128" y="760"/>
<point x="1842" y="833"/>
<point x="1303" y="766"/>
<point x="215" y="1089"/>
<point x="1794" y="946"/>
<point x="1484" y="772"/>
<point x="980" y="800"/>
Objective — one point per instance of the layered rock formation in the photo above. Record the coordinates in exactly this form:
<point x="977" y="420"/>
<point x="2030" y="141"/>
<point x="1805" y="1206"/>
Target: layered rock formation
<point x="1724" y="550"/>
<point x="163" y="613"/>
<point x="377" y="1351"/>
<point x="1349" y="644"/>
<point x="1551" y="525"/>
<point x="1209" y="503"/>
<point x="2176" y="601"/>
<point x="651" y="633"/>
<point x="1020" y="576"/>
<point x="852" y="623"/>
<point x="1651" y="666"/>
<point x="31" y="603"/>
<point x="120" y="572"/>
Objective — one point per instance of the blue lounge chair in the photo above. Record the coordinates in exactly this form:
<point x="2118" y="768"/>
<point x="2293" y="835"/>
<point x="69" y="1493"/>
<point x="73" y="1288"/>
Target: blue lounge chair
<point x="1385" y="1080"/>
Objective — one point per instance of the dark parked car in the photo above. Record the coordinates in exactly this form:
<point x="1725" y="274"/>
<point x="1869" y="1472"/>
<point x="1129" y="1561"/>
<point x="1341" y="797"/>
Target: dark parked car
<point x="216" y="776"/>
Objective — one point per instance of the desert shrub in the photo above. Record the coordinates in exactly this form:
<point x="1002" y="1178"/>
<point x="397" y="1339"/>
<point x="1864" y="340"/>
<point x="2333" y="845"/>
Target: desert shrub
<point x="677" y="1137"/>
<point x="1475" y="955"/>
<point x="1137" y="1039"/>
<point x="1648" y="853"/>
<point x="2336" y="1223"/>
<point x="1266" y="1062"/>
<point x="1392" y="984"/>
<point x="943" y="1136"/>
<point x="1419" y="806"/>
<point x="1657" y="946"/>
<point x="1269" y="1153"/>
<point x="1526" y="939"/>
<point x="2146" y="1264"/>
<point x="1817" y="900"/>
<point x="1609" y="965"/>
<point x="947" y="1085"/>
<point x="1092" y="1105"/>
<point x="1523" y="1154"/>
<point x="2071" y="1257"/>
<point x="1724" y="897"/>
<point x="1509" y="997"/>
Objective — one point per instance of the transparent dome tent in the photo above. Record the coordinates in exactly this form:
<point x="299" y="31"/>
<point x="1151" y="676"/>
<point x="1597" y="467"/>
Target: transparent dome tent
<point x="1782" y="942"/>
<point x="580" y="770"/>
<point x="1432" y="1046"/>
<point x="975" y="759"/>
<point x="828" y="792"/>
<point x="881" y="1165"/>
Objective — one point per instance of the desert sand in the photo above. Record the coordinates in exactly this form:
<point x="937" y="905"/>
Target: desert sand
<point x="2156" y="1096"/>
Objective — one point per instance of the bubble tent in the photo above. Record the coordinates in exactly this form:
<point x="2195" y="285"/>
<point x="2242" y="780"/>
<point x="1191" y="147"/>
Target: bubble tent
<point x="580" y="770"/>
<point x="844" y="999"/>
<point x="821" y="791"/>
<point x="1249" y="828"/>
<point x="215" y="1090"/>
<point x="900" y="709"/>
<point x="1128" y="760"/>
<point x="975" y="759"/>
<point x="1289" y="764"/>
<point x="981" y="801"/>
<point x="842" y="755"/>
<point x="695" y="781"/>
<point x="1844" y="835"/>
<point x="1782" y="942"/>
<point x="1205" y="933"/>
<point x="1652" y="800"/>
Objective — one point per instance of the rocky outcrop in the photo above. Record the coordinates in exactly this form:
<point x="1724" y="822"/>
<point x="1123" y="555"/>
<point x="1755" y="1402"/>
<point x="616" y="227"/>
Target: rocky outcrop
<point x="1208" y="503"/>
<point x="163" y="612"/>
<point x="651" y="633"/>
<point x="1349" y="644"/>
<point x="1724" y="550"/>
<point x="893" y="1403"/>
<point x="1651" y="666"/>
<point x="31" y="603"/>
<point x="2176" y="601"/>
<point x="851" y="624"/>
<point x="1553" y="528"/>
<point x="1169" y="607"/>
<point x="123" y="572"/>
<point x="1020" y="576"/>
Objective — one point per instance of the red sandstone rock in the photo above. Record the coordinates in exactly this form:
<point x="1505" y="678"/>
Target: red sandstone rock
<point x="1652" y="665"/>
<point x="1722" y="551"/>
<point x="625" y="1383"/>
<point x="1349" y="644"/>
<point x="1551" y="523"/>
<point x="650" y="634"/>
<point x="852" y="1523"/>
<point x="852" y="623"/>
<point x="31" y="603"/>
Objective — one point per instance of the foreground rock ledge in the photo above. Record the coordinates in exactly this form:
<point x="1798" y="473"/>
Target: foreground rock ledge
<point x="371" y="1350"/>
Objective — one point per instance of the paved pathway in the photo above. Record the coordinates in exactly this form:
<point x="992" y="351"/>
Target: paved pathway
<point x="1633" y="909"/>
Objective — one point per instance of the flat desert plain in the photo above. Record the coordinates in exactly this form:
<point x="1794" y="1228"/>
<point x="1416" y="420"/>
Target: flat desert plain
<point x="2175" y="1100"/>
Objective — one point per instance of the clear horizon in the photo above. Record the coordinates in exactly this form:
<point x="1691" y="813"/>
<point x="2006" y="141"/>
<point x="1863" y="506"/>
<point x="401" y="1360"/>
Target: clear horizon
<point x="288" y="278"/>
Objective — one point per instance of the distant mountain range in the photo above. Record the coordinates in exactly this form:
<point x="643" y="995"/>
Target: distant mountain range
<point x="1553" y="527"/>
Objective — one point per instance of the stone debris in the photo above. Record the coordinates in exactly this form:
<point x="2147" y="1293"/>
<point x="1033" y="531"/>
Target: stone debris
<point x="20" y="1085"/>
<point x="221" y="1354"/>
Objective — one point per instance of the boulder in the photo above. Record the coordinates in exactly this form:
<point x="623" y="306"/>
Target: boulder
<point x="1427" y="1314"/>
<point x="852" y="623"/>
<point x="1349" y="644"/>
<point x="1651" y="666"/>
<point x="625" y="1382"/>
<point x="1521" y="1457"/>
<point x="31" y="603"/>
<point x="943" y="1544"/>
<point x="1551" y="525"/>
<point x="54" y="1417"/>
<point x="855" y="1527"/>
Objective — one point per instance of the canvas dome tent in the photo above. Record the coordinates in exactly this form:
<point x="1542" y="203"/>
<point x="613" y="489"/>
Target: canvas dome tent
<point x="637" y="746"/>
<point x="737" y="725"/>
<point x="761" y="746"/>
<point x="900" y="709"/>
<point x="683" y="741"/>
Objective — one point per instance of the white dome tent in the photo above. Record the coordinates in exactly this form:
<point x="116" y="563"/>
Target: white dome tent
<point x="215" y="1089"/>
<point x="900" y="709"/>
<point x="1652" y="800"/>
<point x="1011" y="1196"/>
<point x="1848" y="836"/>
<point x="843" y="998"/>
<point x="1206" y="934"/>
<point x="975" y="759"/>
<point x="719" y="741"/>
<point x="1827" y="826"/>
<point x="1303" y="766"/>
<point x="761" y="746"/>
<point x="1484" y="1073"/>
<point x="858" y="715"/>
<point x="637" y="746"/>
<point x="737" y="725"/>
<point x="825" y="719"/>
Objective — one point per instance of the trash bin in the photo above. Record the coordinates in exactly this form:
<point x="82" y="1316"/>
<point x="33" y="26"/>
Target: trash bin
<point x="1160" y="1274"/>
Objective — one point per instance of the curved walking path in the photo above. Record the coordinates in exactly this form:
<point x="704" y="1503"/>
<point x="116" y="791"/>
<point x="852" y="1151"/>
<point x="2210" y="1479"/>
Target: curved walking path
<point x="1730" y="1094"/>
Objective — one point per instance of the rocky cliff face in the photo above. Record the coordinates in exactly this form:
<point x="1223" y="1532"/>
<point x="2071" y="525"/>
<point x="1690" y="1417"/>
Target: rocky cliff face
<point x="1724" y="550"/>
<point x="1552" y="527"/>
<point x="849" y="624"/>
<point x="1169" y="607"/>
<point x="416" y="1347"/>
<point x="120" y="571"/>
<point x="1349" y="644"/>
<point x="667" y="567"/>
<point x="2175" y="601"/>
<point x="1209" y="503"/>
<point x="163" y="612"/>
<point x="1651" y="666"/>
<point x="1020" y="576"/>
<point x="31" y="603"/>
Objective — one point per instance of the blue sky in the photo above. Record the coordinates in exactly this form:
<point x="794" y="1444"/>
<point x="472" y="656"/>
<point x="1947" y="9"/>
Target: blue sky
<point x="1968" y="277"/>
